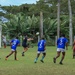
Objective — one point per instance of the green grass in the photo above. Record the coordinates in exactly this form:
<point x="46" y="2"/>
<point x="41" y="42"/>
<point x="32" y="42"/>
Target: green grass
<point x="26" y="66"/>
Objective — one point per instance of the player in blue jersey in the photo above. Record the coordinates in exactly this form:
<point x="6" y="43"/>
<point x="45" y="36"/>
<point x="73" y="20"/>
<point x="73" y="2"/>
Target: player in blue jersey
<point x="62" y="42"/>
<point x="14" y="43"/>
<point x="41" y="49"/>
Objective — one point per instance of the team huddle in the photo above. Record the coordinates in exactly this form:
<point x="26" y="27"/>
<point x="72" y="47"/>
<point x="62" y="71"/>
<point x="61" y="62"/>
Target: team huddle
<point x="62" y="46"/>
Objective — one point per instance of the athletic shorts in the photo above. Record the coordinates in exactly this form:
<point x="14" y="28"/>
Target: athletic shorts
<point x="74" y="49"/>
<point x="24" y="45"/>
<point x="60" y="50"/>
<point x="13" y="49"/>
<point x="41" y="52"/>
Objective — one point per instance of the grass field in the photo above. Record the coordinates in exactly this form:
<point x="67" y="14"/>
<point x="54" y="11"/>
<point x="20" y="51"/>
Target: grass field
<point x="26" y="66"/>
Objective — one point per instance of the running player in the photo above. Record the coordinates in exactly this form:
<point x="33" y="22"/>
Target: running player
<point x="74" y="49"/>
<point x="25" y="44"/>
<point x="14" y="43"/>
<point x="61" y="43"/>
<point x="41" y="49"/>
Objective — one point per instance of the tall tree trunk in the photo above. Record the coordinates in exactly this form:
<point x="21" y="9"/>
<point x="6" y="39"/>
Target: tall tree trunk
<point x="70" y="23"/>
<point x="41" y="24"/>
<point x="58" y="19"/>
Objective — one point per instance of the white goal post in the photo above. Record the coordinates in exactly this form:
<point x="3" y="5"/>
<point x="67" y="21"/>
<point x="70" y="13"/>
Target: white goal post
<point x="0" y="34"/>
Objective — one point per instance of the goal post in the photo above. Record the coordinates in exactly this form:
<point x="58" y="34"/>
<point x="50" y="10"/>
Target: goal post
<point x="0" y="34"/>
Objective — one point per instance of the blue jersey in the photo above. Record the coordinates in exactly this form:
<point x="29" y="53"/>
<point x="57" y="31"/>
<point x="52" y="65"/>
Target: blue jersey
<point x="41" y="45"/>
<point x="14" y="43"/>
<point x="61" y="42"/>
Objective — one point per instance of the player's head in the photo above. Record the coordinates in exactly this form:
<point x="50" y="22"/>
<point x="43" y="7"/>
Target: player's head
<point x="16" y="37"/>
<point x="62" y="35"/>
<point x="25" y="34"/>
<point x="42" y="38"/>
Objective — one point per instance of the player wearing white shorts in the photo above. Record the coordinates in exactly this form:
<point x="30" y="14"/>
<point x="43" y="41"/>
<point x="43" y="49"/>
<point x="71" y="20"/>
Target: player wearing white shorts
<point x="14" y="43"/>
<point x="41" y="49"/>
<point x="60" y="49"/>
<point x="62" y="42"/>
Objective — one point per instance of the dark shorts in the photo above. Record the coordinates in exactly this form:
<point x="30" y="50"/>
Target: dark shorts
<point x="74" y="49"/>
<point x="25" y="46"/>
<point x="4" y="43"/>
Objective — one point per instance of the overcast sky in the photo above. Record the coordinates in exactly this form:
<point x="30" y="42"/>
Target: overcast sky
<point x="16" y="2"/>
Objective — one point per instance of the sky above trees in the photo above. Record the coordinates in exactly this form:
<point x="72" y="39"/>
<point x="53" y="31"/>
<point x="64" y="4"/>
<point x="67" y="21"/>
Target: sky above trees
<point x="16" y="2"/>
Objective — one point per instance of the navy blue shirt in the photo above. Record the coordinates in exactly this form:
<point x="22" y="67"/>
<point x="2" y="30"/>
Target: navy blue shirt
<point x="24" y="41"/>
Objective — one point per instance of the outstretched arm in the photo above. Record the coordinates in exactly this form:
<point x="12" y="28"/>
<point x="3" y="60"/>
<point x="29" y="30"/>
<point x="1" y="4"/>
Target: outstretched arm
<point x="29" y="39"/>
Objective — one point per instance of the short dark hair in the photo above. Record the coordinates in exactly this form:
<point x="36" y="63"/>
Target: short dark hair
<point x="63" y="35"/>
<point x="16" y="37"/>
<point x="42" y="38"/>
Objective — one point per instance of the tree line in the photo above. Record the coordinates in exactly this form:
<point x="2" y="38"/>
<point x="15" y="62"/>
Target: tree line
<point x="26" y="19"/>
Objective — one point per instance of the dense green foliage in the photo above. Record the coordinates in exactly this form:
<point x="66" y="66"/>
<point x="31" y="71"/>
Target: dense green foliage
<point x="26" y="18"/>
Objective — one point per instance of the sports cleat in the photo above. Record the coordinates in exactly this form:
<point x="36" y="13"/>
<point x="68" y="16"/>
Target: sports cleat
<point x="54" y="60"/>
<point x="6" y="58"/>
<point x="22" y="54"/>
<point x="35" y="62"/>
<point x="16" y="59"/>
<point x="61" y="63"/>
<point x="42" y="61"/>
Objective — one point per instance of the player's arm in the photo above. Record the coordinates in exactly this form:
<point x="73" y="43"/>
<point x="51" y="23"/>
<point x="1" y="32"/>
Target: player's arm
<point x="57" y="41"/>
<point x="29" y="39"/>
<point x="45" y="45"/>
<point x="19" y="43"/>
<point x="73" y="46"/>
<point x="11" y="42"/>
<point x="66" y="45"/>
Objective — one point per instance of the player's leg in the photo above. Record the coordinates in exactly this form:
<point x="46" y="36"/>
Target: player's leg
<point x="44" y="54"/>
<point x="4" y="44"/>
<point x="25" y="49"/>
<point x="15" y="55"/>
<point x="63" y="55"/>
<point x="58" y="54"/>
<point x="9" y="55"/>
<point x="38" y="54"/>
<point x="73" y="53"/>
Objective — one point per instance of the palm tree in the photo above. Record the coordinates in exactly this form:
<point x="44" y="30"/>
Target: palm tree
<point x="41" y="24"/>
<point x="58" y="19"/>
<point x="70" y="22"/>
